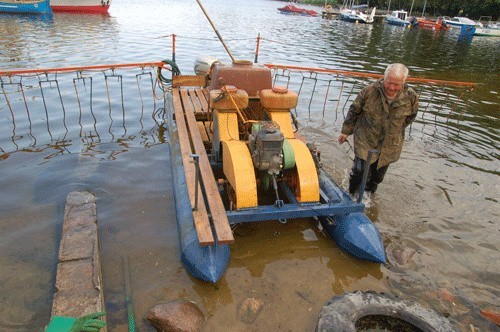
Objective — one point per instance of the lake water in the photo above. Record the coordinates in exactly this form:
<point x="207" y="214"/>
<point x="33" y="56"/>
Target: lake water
<point x="439" y="201"/>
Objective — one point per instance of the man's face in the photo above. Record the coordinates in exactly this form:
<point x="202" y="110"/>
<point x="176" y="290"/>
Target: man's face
<point x="392" y="85"/>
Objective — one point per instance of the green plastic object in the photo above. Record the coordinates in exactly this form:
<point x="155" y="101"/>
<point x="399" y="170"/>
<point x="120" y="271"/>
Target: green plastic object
<point x="87" y="323"/>
<point x="60" y="324"/>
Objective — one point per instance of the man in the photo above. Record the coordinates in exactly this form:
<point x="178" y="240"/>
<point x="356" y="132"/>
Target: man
<point x="378" y="118"/>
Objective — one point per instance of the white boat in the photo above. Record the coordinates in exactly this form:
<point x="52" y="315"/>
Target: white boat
<point x="398" y="17"/>
<point x="356" y="15"/>
<point x="488" y="31"/>
<point x="80" y="6"/>
<point x="459" y="21"/>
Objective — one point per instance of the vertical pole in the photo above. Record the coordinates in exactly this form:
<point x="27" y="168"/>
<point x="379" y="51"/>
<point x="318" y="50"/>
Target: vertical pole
<point x="128" y="295"/>
<point x="257" y="49"/>
<point x="423" y="10"/>
<point x="196" y="179"/>
<point x="365" y="174"/>
<point x="173" y="47"/>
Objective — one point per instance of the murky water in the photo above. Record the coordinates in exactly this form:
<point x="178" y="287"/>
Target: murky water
<point x="440" y="200"/>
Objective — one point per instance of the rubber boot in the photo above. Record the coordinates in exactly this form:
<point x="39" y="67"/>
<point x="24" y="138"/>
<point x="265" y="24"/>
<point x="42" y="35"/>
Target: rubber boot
<point x="371" y="187"/>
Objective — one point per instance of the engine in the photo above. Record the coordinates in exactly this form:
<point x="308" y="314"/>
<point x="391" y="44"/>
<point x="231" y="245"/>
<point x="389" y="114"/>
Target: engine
<point x="266" y="147"/>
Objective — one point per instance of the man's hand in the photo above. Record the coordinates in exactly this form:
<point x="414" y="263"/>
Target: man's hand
<point x="342" y="138"/>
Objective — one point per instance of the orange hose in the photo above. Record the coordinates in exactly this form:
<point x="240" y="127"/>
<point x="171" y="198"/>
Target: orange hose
<point x="372" y="75"/>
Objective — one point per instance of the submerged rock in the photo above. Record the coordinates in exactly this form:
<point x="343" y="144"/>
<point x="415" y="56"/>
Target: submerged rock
<point x="309" y="235"/>
<point x="250" y="309"/>
<point x="176" y="316"/>
<point x="402" y="255"/>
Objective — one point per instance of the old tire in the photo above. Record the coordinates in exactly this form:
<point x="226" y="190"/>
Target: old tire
<point x="341" y="313"/>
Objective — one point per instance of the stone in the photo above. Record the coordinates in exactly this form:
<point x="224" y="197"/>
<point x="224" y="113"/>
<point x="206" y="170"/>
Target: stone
<point x="250" y="309"/>
<point x="176" y="316"/>
<point x="78" y="280"/>
<point x="309" y="235"/>
<point x="402" y="255"/>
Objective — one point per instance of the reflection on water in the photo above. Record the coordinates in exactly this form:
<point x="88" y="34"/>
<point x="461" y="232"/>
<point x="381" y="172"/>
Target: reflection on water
<point x="439" y="200"/>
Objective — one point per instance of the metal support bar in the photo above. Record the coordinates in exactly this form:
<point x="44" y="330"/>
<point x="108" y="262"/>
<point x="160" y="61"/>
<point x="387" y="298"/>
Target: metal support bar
<point x="195" y="161"/>
<point x="291" y="211"/>
<point x="285" y="189"/>
<point x="365" y="174"/>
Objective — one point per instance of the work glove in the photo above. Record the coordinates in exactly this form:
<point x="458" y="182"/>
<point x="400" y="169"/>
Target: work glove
<point x="87" y="323"/>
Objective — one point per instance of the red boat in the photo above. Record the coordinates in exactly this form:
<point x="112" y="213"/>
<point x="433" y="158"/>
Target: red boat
<point x="438" y="24"/>
<point x="291" y="9"/>
<point x="81" y="6"/>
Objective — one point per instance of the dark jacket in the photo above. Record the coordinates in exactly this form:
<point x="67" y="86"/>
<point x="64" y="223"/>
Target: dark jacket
<point x="376" y="124"/>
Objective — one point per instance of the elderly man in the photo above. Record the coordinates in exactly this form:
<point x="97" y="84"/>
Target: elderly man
<point x="378" y="118"/>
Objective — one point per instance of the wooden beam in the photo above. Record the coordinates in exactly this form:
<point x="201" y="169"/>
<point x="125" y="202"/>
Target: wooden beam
<point x="188" y="80"/>
<point x="201" y="221"/>
<point x="217" y="210"/>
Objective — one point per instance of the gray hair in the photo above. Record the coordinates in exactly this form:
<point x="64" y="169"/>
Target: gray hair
<point x="398" y="70"/>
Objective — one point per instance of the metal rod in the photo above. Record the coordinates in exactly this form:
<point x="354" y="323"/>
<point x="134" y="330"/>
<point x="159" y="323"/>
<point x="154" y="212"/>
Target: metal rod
<point x="216" y="31"/>
<point x="195" y="160"/>
<point x="81" y="68"/>
<point x="364" y="74"/>
<point x="173" y="48"/>
<point x="257" y="49"/>
<point x="411" y="8"/>
<point x="128" y="295"/>
<point x="365" y="174"/>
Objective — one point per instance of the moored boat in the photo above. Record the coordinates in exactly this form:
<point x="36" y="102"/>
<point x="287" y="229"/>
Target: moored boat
<point x="81" y="6"/>
<point x="356" y="15"/>
<point x="458" y="22"/>
<point x="398" y="17"/>
<point x="291" y="9"/>
<point x="25" y="6"/>
<point x="423" y="23"/>
<point x="488" y="31"/>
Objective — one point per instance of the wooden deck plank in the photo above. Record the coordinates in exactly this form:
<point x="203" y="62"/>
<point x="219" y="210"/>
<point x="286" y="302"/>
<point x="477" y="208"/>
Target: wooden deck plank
<point x="217" y="210"/>
<point x="203" y="96"/>
<point x="201" y="221"/>
<point x="200" y="105"/>
<point x="209" y="129"/>
<point x="188" y="80"/>
<point x="203" y="131"/>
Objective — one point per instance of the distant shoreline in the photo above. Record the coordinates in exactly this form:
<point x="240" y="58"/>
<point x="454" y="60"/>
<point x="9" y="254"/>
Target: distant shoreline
<point x="417" y="12"/>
